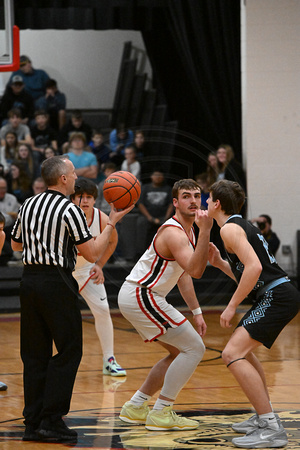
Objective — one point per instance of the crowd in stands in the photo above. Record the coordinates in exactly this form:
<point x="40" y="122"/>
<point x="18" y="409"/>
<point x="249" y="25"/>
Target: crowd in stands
<point x="34" y="126"/>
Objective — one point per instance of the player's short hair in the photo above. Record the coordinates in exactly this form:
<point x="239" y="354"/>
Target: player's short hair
<point x="186" y="183"/>
<point x="230" y="194"/>
<point x="85" y="186"/>
<point x="53" y="168"/>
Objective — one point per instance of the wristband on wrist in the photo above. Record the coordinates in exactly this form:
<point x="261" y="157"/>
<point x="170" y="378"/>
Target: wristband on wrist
<point x="197" y="311"/>
<point x="110" y="225"/>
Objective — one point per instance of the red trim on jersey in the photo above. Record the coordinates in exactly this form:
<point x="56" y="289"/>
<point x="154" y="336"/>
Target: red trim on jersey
<point x="140" y="303"/>
<point x="169" y="319"/>
<point x="150" y="271"/>
<point x="159" y="275"/>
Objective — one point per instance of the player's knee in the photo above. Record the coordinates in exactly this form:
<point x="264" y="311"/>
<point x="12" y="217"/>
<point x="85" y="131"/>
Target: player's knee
<point x="198" y="348"/>
<point x="228" y="356"/>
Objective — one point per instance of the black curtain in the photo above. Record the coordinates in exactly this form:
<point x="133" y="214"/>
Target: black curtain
<point x="194" y="49"/>
<point x="195" y="55"/>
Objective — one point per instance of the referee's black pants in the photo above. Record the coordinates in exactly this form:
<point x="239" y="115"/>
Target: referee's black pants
<point x="49" y="313"/>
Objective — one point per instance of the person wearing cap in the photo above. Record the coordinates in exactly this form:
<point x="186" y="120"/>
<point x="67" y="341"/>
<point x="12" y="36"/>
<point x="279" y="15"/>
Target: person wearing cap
<point x="34" y="79"/>
<point x="15" y="96"/>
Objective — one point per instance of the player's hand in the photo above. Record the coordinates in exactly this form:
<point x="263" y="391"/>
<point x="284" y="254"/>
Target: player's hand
<point x="227" y="316"/>
<point x="200" y="324"/>
<point x="116" y="215"/>
<point x="202" y="220"/>
<point x="97" y="275"/>
<point x="214" y="255"/>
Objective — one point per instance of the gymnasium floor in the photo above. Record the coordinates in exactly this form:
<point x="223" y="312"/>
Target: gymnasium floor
<point x="211" y="396"/>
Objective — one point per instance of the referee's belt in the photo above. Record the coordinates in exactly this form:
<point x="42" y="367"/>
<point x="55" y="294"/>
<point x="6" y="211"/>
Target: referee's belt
<point x="261" y="291"/>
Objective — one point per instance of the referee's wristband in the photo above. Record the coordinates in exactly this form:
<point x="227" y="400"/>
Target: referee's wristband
<point x="197" y="311"/>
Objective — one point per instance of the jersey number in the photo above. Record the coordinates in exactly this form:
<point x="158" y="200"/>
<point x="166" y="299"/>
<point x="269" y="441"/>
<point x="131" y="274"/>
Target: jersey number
<point x="265" y="244"/>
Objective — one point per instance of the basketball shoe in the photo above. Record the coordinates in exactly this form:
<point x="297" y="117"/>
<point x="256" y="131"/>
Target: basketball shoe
<point x="134" y="414"/>
<point x="249" y="424"/>
<point x="167" y="420"/>
<point x="111" y="367"/>
<point x="3" y="386"/>
<point x="262" y="436"/>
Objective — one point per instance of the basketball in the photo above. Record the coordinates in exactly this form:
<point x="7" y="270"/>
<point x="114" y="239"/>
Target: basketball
<point x="122" y="189"/>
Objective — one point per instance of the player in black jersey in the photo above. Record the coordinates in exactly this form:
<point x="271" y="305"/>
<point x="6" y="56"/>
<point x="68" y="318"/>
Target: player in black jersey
<point x="276" y="303"/>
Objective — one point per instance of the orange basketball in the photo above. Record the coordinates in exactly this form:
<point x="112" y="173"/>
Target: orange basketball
<point x="122" y="189"/>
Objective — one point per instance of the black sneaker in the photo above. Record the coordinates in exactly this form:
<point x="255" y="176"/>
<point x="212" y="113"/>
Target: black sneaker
<point x="56" y="431"/>
<point x="30" y="434"/>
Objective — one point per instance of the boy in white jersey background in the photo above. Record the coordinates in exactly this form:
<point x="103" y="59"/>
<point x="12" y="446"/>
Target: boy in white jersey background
<point x="90" y="276"/>
<point x="276" y="303"/>
<point x="172" y="258"/>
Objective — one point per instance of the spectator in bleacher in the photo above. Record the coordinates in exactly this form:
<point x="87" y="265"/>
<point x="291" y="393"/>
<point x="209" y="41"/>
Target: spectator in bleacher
<point x="9" y="151"/>
<point x="212" y="169"/>
<point x="76" y="123"/>
<point x="229" y="167"/>
<point x="85" y="162"/>
<point x="15" y="124"/>
<point x="130" y="163"/>
<point x="155" y="206"/>
<point x="202" y="180"/>
<point x="144" y="154"/>
<point x="20" y="184"/>
<point x="100" y="150"/>
<point x="25" y="155"/>
<point x="39" y="186"/>
<point x="15" y="96"/>
<point x="34" y="79"/>
<point x="54" y="103"/>
<point x="49" y="152"/>
<point x="42" y="135"/>
<point x="9" y="207"/>
<point x="119" y="139"/>
<point x="141" y="146"/>
<point x="264" y="223"/>
<point x="101" y="203"/>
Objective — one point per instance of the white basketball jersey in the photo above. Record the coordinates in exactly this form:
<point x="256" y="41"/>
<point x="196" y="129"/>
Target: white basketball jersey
<point x="155" y="272"/>
<point x="95" y="228"/>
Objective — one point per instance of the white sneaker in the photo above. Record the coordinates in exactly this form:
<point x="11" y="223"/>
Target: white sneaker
<point x="111" y="367"/>
<point x="249" y="424"/>
<point x="262" y="437"/>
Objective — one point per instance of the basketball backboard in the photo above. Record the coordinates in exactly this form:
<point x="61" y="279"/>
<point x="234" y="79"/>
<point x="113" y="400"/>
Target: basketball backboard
<point x="9" y="38"/>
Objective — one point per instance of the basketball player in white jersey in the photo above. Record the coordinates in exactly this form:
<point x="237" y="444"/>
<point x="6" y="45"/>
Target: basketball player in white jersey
<point x="172" y="258"/>
<point x="90" y="276"/>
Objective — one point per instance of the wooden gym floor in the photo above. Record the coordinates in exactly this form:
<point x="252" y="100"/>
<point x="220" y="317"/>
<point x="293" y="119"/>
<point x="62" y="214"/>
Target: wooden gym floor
<point x="212" y="395"/>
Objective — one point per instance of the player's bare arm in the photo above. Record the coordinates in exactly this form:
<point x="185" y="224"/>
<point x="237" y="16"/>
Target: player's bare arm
<point x="215" y="259"/>
<point x="235" y="241"/>
<point x="173" y="243"/>
<point x="187" y="291"/>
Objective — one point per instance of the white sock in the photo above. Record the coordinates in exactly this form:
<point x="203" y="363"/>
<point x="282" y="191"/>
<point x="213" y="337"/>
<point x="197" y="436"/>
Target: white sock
<point x="139" y="398"/>
<point x="271" y="419"/>
<point x="161" y="404"/>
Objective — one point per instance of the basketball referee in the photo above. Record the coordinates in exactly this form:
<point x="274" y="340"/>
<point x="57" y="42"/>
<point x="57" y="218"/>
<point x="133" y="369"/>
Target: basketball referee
<point x="49" y="229"/>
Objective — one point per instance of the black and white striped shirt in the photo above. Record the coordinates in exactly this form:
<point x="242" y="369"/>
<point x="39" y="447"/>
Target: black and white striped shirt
<point x="50" y="226"/>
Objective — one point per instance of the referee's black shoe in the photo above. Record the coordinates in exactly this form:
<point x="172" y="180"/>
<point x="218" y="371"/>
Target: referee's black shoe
<point x="56" y="431"/>
<point x="30" y="434"/>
